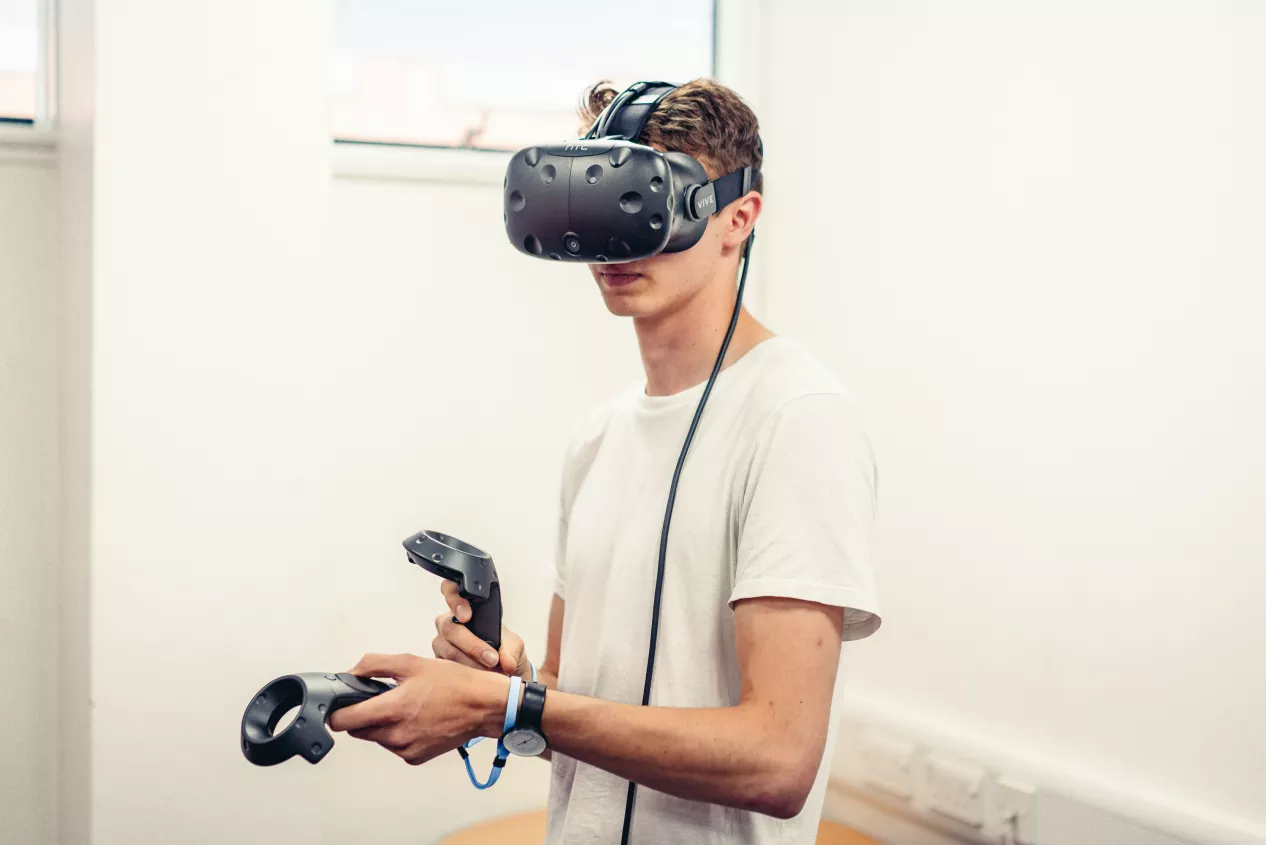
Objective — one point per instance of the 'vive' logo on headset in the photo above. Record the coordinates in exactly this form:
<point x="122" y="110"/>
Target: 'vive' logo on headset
<point x="605" y="198"/>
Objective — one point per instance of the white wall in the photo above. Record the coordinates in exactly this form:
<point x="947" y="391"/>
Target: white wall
<point x="76" y="94"/>
<point x="211" y="323"/>
<point x="440" y="394"/>
<point x="1043" y="282"/>
<point x="1031" y="236"/>
<point x="28" y="491"/>
<point x="464" y="368"/>
<point x="289" y="374"/>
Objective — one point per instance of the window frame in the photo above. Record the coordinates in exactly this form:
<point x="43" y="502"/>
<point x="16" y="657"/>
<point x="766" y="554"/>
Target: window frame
<point x="36" y="139"/>
<point x="737" y="60"/>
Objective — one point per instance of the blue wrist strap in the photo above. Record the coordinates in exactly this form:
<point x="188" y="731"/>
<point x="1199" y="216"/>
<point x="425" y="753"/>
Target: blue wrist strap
<point x="512" y="703"/>
<point x="498" y="763"/>
<point x="475" y="741"/>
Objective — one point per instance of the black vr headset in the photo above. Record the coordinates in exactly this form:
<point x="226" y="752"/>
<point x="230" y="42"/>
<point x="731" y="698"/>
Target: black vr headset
<point x="605" y="198"/>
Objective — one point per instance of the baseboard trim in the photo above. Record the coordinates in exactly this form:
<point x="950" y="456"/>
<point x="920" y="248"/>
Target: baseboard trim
<point x="885" y="820"/>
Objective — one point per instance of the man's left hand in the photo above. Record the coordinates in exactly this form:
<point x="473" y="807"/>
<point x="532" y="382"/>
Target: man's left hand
<point x="437" y="706"/>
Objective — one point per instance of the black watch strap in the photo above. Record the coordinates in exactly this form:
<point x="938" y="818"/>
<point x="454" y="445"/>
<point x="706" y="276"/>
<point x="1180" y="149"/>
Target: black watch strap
<point x="532" y="708"/>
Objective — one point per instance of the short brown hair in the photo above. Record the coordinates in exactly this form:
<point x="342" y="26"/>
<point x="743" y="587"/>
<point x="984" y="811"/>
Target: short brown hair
<point x="702" y="118"/>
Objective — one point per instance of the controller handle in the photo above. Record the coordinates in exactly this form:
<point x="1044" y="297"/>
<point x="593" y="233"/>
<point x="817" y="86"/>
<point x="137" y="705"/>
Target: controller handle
<point x="485" y="617"/>
<point x="474" y="573"/>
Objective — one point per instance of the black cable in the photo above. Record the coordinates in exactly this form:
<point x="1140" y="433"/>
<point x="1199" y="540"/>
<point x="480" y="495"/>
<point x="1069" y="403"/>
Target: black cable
<point x="668" y="513"/>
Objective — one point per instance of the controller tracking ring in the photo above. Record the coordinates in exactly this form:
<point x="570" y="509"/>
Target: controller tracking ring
<point x="317" y="695"/>
<point x="471" y="569"/>
<point x="448" y="557"/>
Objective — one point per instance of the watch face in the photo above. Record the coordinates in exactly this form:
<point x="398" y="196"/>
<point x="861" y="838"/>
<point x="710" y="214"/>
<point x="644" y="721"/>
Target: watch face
<point x="524" y="742"/>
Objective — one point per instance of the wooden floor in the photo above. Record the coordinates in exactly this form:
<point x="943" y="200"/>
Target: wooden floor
<point x="529" y="829"/>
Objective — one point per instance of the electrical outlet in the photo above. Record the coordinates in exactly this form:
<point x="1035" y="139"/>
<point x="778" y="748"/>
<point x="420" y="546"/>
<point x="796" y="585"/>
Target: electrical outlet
<point x="888" y="762"/>
<point x="954" y="789"/>
<point x="1014" y="812"/>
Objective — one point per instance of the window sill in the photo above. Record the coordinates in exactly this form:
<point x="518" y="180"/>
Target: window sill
<point x="389" y="162"/>
<point x="20" y="144"/>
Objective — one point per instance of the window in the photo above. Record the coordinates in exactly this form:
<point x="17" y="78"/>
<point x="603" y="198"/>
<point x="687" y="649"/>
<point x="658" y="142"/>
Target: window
<point x="20" y="59"/>
<point x="500" y="74"/>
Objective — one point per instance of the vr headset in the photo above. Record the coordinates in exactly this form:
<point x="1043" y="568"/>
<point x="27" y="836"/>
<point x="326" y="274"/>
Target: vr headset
<point x="605" y="198"/>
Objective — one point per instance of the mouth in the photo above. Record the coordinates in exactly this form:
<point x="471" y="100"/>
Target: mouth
<point x="617" y="278"/>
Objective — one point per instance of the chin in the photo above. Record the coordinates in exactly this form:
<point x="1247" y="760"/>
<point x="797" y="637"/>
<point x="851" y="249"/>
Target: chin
<point x="630" y="300"/>
<point x="623" y="305"/>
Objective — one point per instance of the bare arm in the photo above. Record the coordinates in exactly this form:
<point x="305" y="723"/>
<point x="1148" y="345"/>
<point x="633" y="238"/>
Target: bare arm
<point x="762" y="754"/>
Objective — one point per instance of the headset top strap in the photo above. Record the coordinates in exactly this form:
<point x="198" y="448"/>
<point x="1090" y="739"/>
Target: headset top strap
<point x="626" y="116"/>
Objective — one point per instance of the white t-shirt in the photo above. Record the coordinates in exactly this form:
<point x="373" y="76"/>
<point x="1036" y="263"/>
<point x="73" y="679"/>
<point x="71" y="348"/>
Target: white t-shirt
<point x="776" y="499"/>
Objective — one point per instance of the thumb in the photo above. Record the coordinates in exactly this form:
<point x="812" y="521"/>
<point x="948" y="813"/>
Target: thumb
<point x="511" y="651"/>
<point x="395" y="666"/>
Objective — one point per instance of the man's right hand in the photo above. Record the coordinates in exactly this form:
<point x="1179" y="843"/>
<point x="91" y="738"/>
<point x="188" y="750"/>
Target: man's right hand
<point x="455" y="641"/>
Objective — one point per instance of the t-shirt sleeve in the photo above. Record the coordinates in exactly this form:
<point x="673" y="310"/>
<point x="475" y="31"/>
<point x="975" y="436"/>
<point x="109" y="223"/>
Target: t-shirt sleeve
<point x="560" y="551"/>
<point x="564" y="501"/>
<point x="583" y="444"/>
<point x="807" y="506"/>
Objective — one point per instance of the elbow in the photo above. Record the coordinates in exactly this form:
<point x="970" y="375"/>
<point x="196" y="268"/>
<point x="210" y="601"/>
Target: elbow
<point x="791" y="799"/>
<point x="786" y="788"/>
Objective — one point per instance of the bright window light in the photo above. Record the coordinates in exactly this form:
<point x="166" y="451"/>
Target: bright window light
<point x="19" y="58"/>
<point x="500" y="74"/>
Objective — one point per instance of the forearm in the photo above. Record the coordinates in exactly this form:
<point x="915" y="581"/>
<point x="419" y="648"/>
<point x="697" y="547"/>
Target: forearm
<point x="737" y="756"/>
<point x="761" y="754"/>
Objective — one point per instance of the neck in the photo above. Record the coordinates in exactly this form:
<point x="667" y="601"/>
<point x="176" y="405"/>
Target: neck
<point x="679" y="349"/>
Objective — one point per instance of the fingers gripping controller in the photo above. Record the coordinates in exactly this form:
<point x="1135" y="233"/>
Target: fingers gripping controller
<point x="471" y="569"/>
<point x="317" y="695"/>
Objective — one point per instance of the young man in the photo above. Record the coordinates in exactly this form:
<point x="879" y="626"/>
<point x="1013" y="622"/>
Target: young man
<point x="768" y="567"/>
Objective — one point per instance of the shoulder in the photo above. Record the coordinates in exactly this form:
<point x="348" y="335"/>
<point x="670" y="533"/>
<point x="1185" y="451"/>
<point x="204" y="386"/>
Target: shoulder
<point x="790" y="380"/>
<point x="584" y="442"/>
<point x="801" y="419"/>
<point x="587" y="432"/>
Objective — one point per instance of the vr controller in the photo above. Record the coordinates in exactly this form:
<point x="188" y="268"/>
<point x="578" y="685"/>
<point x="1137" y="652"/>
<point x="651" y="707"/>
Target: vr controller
<point x="319" y="694"/>
<point x="473" y="572"/>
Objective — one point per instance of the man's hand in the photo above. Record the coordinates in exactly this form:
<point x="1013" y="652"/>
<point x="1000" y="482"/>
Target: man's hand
<point x="437" y="706"/>
<point x="456" y="643"/>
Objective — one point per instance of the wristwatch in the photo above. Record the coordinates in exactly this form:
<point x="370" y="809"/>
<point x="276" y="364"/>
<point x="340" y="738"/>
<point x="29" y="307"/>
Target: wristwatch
<point x="526" y="738"/>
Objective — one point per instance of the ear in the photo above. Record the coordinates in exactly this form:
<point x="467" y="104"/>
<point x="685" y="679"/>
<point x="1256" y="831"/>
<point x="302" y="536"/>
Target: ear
<point x="739" y="218"/>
